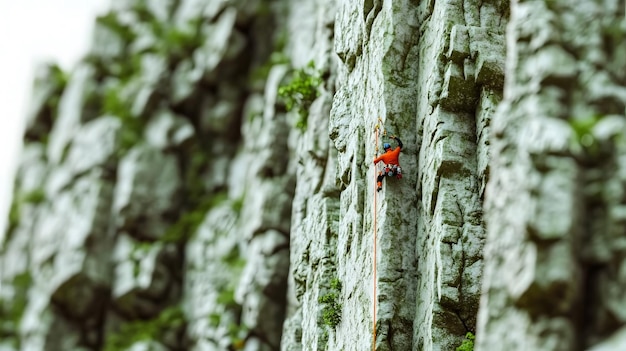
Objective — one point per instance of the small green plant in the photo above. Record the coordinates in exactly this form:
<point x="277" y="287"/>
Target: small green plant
<point x="171" y="318"/>
<point x="237" y="204"/>
<point x="14" y="214"/>
<point x="58" y="75"/>
<point x="582" y="127"/>
<point x="115" y="103"/>
<point x="237" y="331"/>
<point x="176" y="42"/>
<point x="189" y="222"/>
<point x="11" y="311"/>
<point x="21" y="284"/>
<point x="583" y="143"/>
<point x="226" y="297"/>
<point x="300" y="92"/>
<point x="215" y="319"/>
<point x="60" y="79"/>
<point x="182" y="230"/>
<point x="111" y="21"/>
<point x="35" y="196"/>
<point x="235" y="264"/>
<point x="331" y="312"/>
<point x="234" y="260"/>
<point x="468" y="343"/>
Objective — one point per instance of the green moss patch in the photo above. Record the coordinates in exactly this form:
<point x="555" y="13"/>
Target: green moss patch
<point x="171" y="318"/>
<point x="11" y="312"/>
<point x="468" y="343"/>
<point x="301" y="89"/>
<point x="331" y="312"/>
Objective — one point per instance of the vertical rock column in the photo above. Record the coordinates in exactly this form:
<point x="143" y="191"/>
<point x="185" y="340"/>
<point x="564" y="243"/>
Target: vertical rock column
<point x="376" y="44"/>
<point x="265" y="222"/>
<point x="238" y="260"/>
<point x="28" y="195"/>
<point x="61" y="223"/>
<point x="555" y="253"/>
<point x="315" y="212"/>
<point x="461" y="72"/>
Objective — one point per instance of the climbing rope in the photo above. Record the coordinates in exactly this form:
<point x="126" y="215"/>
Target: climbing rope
<point x="377" y="128"/>
<point x="375" y="230"/>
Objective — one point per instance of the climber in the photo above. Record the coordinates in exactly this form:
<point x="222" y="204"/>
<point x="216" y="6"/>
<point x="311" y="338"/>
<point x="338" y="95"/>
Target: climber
<point x="390" y="158"/>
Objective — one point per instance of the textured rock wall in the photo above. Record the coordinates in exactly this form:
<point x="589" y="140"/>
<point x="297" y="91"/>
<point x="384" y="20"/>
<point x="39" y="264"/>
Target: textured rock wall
<point x="315" y="213"/>
<point x="377" y="47"/>
<point x="554" y="277"/>
<point x="433" y="73"/>
<point x="341" y="193"/>
<point x="461" y="66"/>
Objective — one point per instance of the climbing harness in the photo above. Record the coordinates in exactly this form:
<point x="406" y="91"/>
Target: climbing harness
<point x="392" y="170"/>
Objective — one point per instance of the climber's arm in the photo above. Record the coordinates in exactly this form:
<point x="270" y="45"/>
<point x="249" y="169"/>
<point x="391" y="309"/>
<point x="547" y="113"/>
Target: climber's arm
<point x="378" y="159"/>
<point x="398" y="141"/>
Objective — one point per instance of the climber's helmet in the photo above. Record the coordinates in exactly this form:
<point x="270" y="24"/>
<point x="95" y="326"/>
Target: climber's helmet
<point x="386" y="146"/>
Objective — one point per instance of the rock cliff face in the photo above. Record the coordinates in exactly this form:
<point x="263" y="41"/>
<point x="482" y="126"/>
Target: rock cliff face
<point x="203" y="180"/>
<point x="556" y="247"/>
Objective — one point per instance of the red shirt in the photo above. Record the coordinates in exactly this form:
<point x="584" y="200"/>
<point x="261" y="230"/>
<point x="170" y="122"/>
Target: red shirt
<point x="390" y="157"/>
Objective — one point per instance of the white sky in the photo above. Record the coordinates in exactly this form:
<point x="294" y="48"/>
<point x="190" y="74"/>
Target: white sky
<point x="32" y="31"/>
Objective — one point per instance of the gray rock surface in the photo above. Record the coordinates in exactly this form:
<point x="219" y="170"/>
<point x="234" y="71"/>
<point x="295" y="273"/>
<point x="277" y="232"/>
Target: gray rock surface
<point x="454" y="121"/>
<point x="213" y="269"/>
<point x="71" y="107"/>
<point x="147" y="186"/>
<point x="85" y="154"/>
<point x="553" y="251"/>
<point x="49" y="82"/>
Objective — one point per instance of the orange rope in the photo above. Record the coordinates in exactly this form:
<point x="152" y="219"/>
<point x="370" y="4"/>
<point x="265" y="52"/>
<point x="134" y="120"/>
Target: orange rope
<point x="374" y="259"/>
